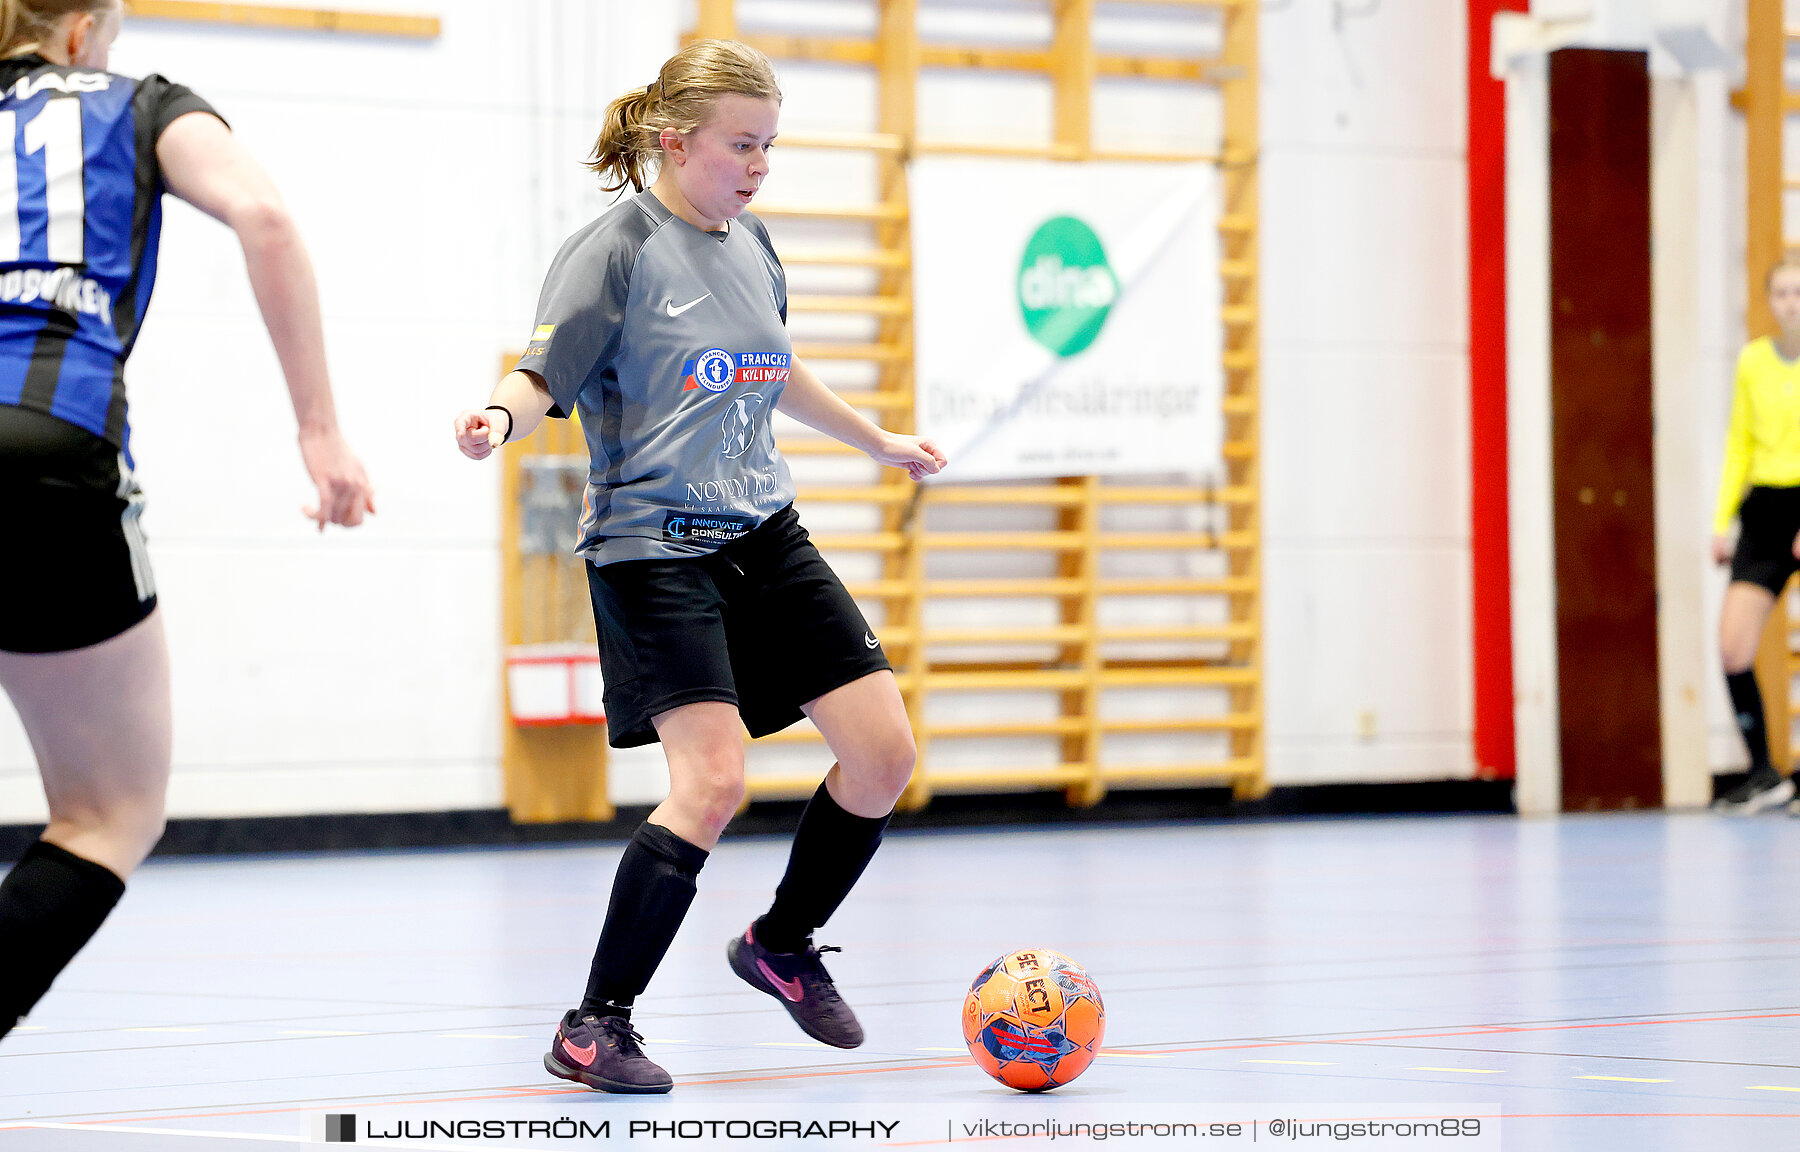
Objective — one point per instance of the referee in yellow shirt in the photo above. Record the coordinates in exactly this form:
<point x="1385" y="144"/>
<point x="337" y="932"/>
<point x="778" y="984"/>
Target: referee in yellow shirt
<point x="1762" y="453"/>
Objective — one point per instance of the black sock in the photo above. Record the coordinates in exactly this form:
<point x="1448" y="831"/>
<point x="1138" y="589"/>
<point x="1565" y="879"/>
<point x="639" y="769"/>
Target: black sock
<point x="51" y="904"/>
<point x="650" y="896"/>
<point x="1746" y="701"/>
<point x="831" y="849"/>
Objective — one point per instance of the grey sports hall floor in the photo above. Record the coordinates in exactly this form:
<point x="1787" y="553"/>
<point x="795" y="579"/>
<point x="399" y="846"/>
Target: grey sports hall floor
<point x="1594" y="983"/>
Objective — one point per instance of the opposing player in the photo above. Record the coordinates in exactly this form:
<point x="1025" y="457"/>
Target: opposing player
<point x="86" y="158"/>
<point x="1762" y="450"/>
<point x="663" y="323"/>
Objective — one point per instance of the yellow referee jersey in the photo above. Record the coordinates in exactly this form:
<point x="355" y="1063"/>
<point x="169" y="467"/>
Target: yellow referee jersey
<point x="1762" y="446"/>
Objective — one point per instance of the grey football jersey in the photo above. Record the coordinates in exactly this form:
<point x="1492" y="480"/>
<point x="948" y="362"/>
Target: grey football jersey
<point x="672" y="343"/>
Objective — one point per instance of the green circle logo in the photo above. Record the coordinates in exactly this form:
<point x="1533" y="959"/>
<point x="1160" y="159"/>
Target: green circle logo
<point x="1066" y="287"/>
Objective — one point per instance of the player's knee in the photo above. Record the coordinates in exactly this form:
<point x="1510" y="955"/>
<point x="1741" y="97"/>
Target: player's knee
<point x="121" y="835"/>
<point x="144" y="832"/>
<point x="886" y="764"/>
<point x="719" y="791"/>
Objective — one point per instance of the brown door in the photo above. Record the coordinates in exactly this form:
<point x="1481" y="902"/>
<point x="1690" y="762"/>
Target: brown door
<point x="1601" y="438"/>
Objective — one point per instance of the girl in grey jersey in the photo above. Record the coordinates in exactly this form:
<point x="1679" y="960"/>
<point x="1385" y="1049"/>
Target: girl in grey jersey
<point x="663" y="324"/>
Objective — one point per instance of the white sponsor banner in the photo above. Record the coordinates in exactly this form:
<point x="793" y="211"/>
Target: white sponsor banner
<point x="1067" y="316"/>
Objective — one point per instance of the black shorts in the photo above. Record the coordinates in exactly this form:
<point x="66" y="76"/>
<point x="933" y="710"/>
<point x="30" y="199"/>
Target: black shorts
<point x="1769" y="520"/>
<point x="75" y="571"/>
<point x="762" y="623"/>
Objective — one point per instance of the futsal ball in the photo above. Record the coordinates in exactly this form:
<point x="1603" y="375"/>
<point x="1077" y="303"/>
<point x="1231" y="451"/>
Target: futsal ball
<point x="1033" y="1020"/>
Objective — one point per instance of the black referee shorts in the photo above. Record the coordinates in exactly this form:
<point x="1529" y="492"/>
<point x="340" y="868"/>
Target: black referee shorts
<point x="1769" y="519"/>
<point x="74" y="570"/>
<point x="763" y="623"/>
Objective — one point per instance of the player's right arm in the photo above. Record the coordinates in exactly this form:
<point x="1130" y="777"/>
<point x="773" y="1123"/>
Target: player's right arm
<point x="580" y="318"/>
<point x="526" y="399"/>
<point x="203" y="163"/>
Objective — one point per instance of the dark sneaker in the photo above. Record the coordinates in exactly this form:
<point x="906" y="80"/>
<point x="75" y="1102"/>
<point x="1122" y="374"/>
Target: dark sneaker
<point x="603" y="1052"/>
<point x="1764" y="788"/>
<point x="800" y="982"/>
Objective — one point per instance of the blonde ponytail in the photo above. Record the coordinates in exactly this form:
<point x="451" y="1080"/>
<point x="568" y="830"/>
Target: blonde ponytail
<point x="25" y="23"/>
<point x="10" y="19"/>
<point x="682" y="97"/>
<point x="626" y="144"/>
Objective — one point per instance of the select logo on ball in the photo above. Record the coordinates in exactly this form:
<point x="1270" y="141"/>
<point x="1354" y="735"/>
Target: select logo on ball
<point x="1066" y="287"/>
<point x="1033" y="1020"/>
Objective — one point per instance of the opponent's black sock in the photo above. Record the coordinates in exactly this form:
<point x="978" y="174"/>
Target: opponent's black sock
<point x="1746" y="701"/>
<point x="51" y="904"/>
<point x="831" y="849"/>
<point x="650" y="896"/>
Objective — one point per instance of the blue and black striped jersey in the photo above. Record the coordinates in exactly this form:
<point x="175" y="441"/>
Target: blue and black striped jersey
<point x="80" y="216"/>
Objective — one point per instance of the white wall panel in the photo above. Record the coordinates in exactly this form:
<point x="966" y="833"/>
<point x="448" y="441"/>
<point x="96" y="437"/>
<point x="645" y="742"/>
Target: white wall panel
<point x="1720" y="215"/>
<point x="1390" y="82"/>
<point x="821" y="98"/>
<point x="1365" y="248"/>
<point x="1365" y="394"/>
<point x="1376" y="628"/>
<point x="1374" y="445"/>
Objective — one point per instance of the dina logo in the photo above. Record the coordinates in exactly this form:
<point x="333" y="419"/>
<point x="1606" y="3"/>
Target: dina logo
<point x="1066" y="287"/>
<point x="739" y="425"/>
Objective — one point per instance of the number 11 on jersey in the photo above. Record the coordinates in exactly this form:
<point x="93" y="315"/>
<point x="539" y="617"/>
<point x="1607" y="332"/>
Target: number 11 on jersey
<point x="56" y="132"/>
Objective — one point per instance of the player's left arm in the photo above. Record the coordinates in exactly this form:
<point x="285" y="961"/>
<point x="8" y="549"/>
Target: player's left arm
<point x="809" y="401"/>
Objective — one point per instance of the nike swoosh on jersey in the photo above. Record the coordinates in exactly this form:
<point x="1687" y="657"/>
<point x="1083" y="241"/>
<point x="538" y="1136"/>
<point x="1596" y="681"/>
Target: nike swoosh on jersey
<point x="789" y="988"/>
<point x="582" y="1056"/>
<point x="674" y="311"/>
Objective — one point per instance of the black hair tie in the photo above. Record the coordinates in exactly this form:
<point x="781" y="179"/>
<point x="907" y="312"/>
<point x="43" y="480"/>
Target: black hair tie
<point x="509" y="419"/>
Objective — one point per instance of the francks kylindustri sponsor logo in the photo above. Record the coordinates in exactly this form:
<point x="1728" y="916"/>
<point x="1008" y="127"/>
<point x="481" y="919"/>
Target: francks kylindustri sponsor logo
<point x="716" y="370"/>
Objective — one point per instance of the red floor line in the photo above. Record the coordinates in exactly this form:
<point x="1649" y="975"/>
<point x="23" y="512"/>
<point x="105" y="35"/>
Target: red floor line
<point x="523" y="1093"/>
<point x="1493" y="1031"/>
<point x="945" y="1062"/>
<point x="510" y="1094"/>
<point x="1502" y="1116"/>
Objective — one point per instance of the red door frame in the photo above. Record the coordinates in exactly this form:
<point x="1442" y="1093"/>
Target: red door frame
<point x="1489" y="552"/>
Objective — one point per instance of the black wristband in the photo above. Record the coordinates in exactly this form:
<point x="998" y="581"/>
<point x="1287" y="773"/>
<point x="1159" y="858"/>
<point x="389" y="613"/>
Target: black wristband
<point x="509" y="419"/>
